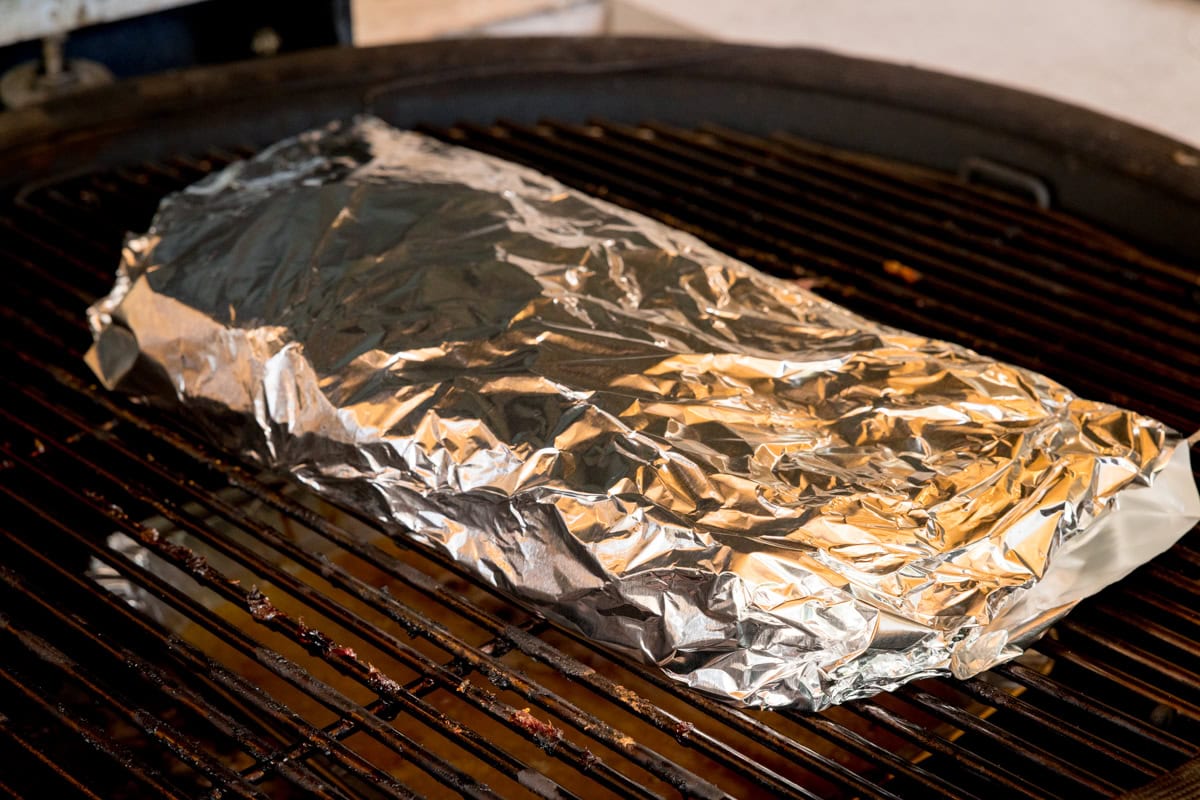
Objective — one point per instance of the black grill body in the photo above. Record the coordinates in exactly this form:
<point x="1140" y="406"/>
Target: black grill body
<point x="256" y="666"/>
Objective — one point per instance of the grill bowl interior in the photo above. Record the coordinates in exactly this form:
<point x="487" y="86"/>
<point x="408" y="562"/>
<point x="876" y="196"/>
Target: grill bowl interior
<point x="346" y="662"/>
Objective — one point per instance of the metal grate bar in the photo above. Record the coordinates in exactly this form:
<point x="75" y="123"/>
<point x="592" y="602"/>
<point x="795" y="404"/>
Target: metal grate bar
<point x="1147" y="734"/>
<point x="389" y="607"/>
<point x="1156" y="602"/>
<point x="259" y="608"/>
<point x="41" y="217"/>
<point x="416" y="624"/>
<point x="1169" y="578"/>
<point x="1090" y="636"/>
<point x="419" y="686"/>
<point x="1061" y="236"/>
<point x="774" y="202"/>
<point x="877" y="753"/>
<point x="1013" y="784"/>
<point x="1000" y="699"/>
<point x="157" y="729"/>
<point x="81" y="269"/>
<point x="195" y="662"/>
<point x="281" y="666"/>
<point x="1038" y="757"/>
<point x="92" y="737"/>
<point x="165" y="684"/>
<point x="28" y="750"/>
<point x="1121" y="677"/>
<point x="1179" y="667"/>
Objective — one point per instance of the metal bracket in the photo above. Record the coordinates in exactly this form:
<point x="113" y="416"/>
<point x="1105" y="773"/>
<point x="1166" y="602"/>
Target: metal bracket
<point x="980" y="171"/>
<point x="52" y="75"/>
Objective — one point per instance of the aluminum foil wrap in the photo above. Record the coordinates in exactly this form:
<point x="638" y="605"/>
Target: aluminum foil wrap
<point x="770" y="497"/>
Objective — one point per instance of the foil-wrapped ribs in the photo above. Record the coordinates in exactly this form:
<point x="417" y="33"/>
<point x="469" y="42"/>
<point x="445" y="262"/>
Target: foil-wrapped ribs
<point x="770" y="497"/>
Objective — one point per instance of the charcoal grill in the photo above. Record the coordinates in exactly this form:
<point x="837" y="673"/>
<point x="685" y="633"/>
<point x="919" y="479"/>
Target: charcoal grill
<point x="252" y="663"/>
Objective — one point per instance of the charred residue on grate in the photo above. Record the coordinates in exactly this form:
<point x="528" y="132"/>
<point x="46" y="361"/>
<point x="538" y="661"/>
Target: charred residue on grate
<point x="309" y="654"/>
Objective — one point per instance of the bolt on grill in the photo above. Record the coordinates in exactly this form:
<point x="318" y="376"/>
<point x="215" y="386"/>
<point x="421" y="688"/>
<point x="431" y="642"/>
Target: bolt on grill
<point x="280" y="647"/>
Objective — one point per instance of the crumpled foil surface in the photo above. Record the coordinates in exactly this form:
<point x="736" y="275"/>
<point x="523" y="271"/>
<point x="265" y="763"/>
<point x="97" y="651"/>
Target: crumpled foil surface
<point x="774" y="499"/>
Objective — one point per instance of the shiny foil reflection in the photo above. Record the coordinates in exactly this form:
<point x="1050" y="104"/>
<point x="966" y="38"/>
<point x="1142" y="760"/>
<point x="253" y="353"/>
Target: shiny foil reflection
<point x="770" y="497"/>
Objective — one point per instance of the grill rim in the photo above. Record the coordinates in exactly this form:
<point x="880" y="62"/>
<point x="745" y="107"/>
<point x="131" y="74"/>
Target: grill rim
<point x="142" y="142"/>
<point x="1130" y="179"/>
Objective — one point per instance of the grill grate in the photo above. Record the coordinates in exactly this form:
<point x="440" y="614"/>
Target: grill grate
<point x="285" y="649"/>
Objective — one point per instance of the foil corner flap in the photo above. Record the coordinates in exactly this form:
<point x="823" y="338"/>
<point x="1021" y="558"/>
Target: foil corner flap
<point x="777" y="501"/>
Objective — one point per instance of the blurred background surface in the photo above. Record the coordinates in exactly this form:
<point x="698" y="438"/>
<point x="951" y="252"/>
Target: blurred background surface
<point x="1138" y="60"/>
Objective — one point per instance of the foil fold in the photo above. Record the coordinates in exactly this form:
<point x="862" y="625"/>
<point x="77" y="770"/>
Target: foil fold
<point x="775" y="500"/>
